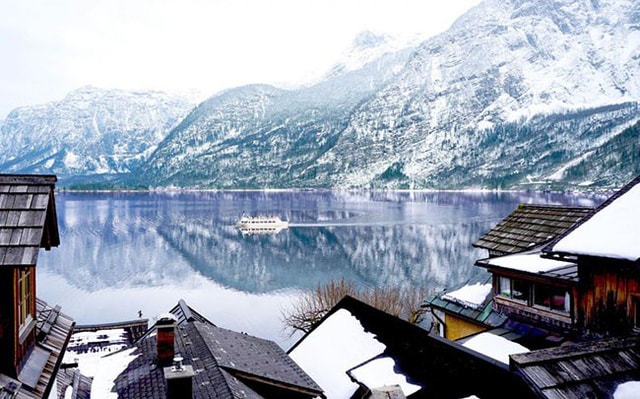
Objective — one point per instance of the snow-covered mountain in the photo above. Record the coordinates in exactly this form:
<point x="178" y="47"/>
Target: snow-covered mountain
<point x="90" y="132"/>
<point x="504" y="65"/>
<point x="517" y="93"/>
<point x="262" y="136"/>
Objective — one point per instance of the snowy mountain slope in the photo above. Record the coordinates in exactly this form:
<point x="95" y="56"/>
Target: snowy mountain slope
<point x="261" y="136"/>
<point x="610" y="164"/>
<point x="504" y="61"/>
<point x="515" y="92"/>
<point x="90" y="132"/>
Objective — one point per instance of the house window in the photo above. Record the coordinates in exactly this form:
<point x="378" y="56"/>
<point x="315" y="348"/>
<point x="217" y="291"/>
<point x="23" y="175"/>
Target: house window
<point x="553" y="298"/>
<point x="536" y="294"/>
<point x="24" y="297"/>
<point x="505" y="287"/>
<point x="520" y="290"/>
<point x="514" y="289"/>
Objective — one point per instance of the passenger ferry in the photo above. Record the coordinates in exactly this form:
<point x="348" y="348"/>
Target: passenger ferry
<point x="261" y="224"/>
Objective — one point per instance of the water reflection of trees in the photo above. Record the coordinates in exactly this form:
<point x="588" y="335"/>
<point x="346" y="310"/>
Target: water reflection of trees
<point x="374" y="238"/>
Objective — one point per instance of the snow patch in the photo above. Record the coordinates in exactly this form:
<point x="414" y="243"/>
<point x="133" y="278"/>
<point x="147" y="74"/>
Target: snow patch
<point x="531" y="263"/>
<point x="381" y="372"/>
<point x="337" y="345"/>
<point x="627" y="390"/>
<point x="108" y="369"/>
<point x="495" y="347"/>
<point x="470" y="295"/>
<point x="612" y="232"/>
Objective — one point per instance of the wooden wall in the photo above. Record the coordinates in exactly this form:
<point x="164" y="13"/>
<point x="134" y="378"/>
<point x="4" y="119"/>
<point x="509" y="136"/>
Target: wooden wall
<point x="456" y="328"/>
<point x="13" y="353"/>
<point x="606" y="300"/>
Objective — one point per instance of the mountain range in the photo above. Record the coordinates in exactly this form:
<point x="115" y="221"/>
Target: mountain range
<point x="516" y="94"/>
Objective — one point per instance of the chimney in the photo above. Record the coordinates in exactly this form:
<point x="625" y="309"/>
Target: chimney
<point x="179" y="379"/>
<point x="165" y="327"/>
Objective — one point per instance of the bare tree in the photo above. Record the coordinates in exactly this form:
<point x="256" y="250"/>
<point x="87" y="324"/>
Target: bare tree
<point x="309" y="309"/>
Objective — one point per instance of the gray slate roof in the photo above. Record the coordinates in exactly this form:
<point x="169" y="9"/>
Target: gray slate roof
<point x="227" y="364"/>
<point x="529" y="226"/>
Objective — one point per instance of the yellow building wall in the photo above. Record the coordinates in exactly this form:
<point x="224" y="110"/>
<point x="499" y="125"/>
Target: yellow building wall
<point x="456" y="328"/>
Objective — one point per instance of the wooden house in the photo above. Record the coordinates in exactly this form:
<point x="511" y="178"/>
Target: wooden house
<point x="606" y="249"/>
<point x="527" y="228"/>
<point x="33" y="335"/>
<point x="586" y="282"/>
<point x="575" y="303"/>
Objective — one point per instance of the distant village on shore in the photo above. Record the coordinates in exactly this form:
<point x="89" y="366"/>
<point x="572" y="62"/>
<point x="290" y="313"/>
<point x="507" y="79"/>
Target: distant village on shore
<point x="558" y="317"/>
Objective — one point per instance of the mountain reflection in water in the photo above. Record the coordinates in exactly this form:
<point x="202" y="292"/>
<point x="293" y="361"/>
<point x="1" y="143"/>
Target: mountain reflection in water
<point x="124" y="252"/>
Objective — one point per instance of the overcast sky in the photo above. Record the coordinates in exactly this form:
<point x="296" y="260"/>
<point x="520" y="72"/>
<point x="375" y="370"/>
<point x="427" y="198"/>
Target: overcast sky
<point x="51" y="47"/>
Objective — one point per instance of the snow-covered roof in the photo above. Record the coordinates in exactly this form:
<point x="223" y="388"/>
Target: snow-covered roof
<point x="380" y="372"/>
<point x="494" y="346"/>
<point x="337" y="345"/>
<point x="612" y="232"/>
<point x="627" y="390"/>
<point x="471" y="295"/>
<point x="107" y="368"/>
<point x="530" y="262"/>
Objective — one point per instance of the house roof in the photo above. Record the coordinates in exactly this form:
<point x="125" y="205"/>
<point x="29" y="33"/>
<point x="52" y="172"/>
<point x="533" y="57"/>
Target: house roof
<point x="610" y="232"/>
<point x="227" y="364"/>
<point x="533" y="264"/>
<point x="584" y="370"/>
<point x="529" y="226"/>
<point x="479" y="311"/>
<point x="439" y="367"/>
<point x="27" y="218"/>
<point x="36" y="378"/>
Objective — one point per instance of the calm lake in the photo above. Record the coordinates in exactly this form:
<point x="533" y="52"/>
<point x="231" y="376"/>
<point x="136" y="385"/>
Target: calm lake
<point x="122" y="253"/>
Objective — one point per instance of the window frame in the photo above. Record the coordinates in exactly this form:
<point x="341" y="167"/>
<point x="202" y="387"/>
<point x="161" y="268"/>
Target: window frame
<point x="25" y="300"/>
<point x="532" y="300"/>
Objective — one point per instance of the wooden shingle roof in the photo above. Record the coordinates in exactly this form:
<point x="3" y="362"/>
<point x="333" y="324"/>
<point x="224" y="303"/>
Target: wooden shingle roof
<point x="54" y="330"/>
<point x="530" y="226"/>
<point x="27" y="218"/>
<point x="584" y="370"/>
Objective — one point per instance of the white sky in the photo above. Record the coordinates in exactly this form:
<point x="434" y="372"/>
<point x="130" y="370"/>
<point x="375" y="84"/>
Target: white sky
<point x="51" y="47"/>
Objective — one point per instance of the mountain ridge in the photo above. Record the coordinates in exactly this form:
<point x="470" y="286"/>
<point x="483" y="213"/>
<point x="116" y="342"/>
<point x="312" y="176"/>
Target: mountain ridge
<point x="517" y="94"/>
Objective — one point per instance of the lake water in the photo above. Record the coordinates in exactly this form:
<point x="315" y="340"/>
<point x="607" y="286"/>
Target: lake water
<point x="122" y="253"/>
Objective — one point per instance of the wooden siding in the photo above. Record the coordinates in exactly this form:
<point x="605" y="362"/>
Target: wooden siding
<point x="456" y="328"/>
<point x="530" y="226"/>
<point x="606" y="304"/>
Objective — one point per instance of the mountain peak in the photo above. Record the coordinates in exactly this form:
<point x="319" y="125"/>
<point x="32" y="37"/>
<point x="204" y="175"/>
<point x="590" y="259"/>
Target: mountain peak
<point x="365" y="48"/>
<point x="367" y="39"/>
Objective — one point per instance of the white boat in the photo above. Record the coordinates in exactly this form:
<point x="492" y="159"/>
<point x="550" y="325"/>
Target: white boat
<point x="261" y="224"/>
